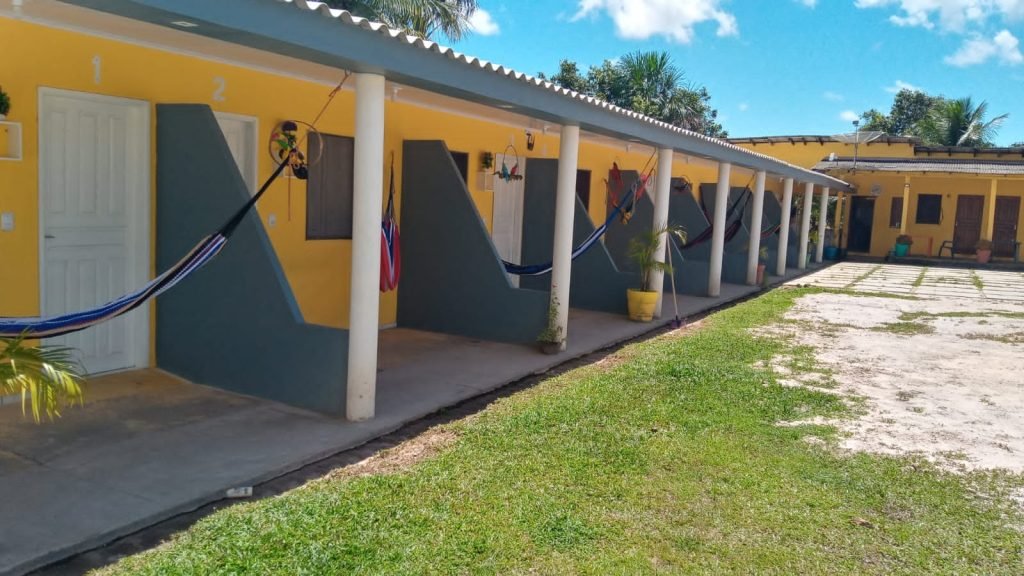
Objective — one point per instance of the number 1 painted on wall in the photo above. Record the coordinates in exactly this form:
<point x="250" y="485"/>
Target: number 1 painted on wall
<point x="218" y="93"/>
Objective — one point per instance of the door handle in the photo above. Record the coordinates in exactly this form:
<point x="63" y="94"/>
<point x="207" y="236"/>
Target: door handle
<point x="49" y="236"/>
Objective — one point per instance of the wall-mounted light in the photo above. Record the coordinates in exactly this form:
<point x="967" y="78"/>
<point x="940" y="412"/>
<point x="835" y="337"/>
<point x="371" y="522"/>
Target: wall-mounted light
<point x="531" y="140"/>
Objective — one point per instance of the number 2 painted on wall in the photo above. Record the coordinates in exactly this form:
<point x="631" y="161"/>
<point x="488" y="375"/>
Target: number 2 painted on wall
<point x="218" y="93"/>
<point x="97" y="69"/>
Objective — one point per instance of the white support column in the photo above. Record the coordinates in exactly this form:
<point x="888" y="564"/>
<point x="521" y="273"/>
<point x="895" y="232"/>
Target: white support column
<point x="565" y="208"/>
<point x="662" y="197"/>
<point x="718" y="230"/>
<point x="756" y="212"/>
<point x="787" y="210"/>
<point x="805" y="226"/>
<point x="368" y="191"/>
<point x="819" y="252"/>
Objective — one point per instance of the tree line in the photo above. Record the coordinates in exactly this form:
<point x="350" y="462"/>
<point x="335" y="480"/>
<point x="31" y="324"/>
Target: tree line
<point x="937" y="120"/>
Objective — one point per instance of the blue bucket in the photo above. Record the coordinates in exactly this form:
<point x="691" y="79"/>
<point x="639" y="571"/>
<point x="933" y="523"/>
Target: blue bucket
<point x="831" y="253"/>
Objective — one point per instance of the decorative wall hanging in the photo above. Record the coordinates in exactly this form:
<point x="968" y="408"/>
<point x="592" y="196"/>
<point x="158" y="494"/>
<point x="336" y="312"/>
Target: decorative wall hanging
<point x="506" y="173"/>
<point x="531" y="140"/>
<point x="5" y="103"/>
<point x="284" y="147"/>
<point x="486" y="161"/>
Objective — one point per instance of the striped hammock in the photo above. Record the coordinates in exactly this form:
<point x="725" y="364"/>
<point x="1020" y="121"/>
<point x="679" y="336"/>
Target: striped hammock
<point x="626" y="205"/>
<point x="205" y="251"/>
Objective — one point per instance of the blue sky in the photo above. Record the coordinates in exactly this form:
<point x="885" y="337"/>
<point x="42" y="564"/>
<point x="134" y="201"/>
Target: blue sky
<point x="781" y="66"/>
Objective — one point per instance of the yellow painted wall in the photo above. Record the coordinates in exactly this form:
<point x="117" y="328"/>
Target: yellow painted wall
<point x="317" y="270"/>
<point x="807" y="155"/>
<point x="950" y="187"/>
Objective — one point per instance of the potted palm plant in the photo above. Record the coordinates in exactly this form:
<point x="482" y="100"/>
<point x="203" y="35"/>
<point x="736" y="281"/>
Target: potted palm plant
<point x="46" y="377"/>
<point x="643" y="249"/>
<point x="983" y="251"/>
<point x="903" y="244"/>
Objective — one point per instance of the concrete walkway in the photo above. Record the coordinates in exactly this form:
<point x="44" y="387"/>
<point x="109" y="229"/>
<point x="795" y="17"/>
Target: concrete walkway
<point x="922" y="281"/>
<point x="148" y="446"/>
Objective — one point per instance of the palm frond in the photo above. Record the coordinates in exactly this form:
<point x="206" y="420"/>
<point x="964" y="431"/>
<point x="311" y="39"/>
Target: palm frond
<point x="46" y="377"/>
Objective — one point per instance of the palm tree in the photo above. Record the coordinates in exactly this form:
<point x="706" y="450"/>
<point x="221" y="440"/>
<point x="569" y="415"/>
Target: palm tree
<point x="425" y="18"/>
<point x="653" y="80"/>
<point x="46" y="377"/>
<point x="960" y="123"/>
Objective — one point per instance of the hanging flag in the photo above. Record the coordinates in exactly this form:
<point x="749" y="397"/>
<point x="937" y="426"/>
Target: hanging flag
<point x="390" y="242"/>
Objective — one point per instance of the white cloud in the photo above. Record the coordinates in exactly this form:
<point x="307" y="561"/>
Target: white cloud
<point x="744" y="106"/>
<point x="673" y="19"/>
<point x="954" y="15"/>
<point x="808" y="3"/>
<point x="1003" y="47"/>
<point x="833" y="96"/>
<point x="848" y="116"/>
<point x="483" y="24"/>
<point x="901" y="85"/>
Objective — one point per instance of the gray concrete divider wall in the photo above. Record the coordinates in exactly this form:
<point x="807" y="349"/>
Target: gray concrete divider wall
<point x="734" y="262"/>
<point x="452" y="278"/>
<point x="234" y="324"/>
<point x="690" y="270"/>
<point x="597" y="284"/>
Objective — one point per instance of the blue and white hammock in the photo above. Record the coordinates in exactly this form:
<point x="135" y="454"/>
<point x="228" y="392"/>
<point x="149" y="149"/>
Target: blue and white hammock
<point x="205" y="251"/>
<point x="542" y="269"/>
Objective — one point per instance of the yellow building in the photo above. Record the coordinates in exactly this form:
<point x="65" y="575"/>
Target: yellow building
<point x="138" y="127"/>
<point x="946" y="199"/>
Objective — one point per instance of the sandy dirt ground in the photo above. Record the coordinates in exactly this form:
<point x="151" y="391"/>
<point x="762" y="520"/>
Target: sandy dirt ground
<point x="942" y="376"/>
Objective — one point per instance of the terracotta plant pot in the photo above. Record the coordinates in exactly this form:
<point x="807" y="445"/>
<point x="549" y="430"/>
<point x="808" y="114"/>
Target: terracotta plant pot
<point x="984" y="256"/>
<point x="641" y="305"/>
<point x="760" y="273"/>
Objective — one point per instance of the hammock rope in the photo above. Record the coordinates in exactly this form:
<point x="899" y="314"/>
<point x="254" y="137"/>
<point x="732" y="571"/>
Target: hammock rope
<point x="200" y="255"/>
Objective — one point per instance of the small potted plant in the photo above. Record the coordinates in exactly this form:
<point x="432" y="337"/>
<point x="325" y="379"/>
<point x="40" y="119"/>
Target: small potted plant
<point x="5" y="103"/>
<point x="983" y="251"/>
<point x="762" y="264"/>
<point x="642" y="250"/>
<point x="903" y="244"/>
<point x="486" y="161"/>
<point x="550" y="339"/>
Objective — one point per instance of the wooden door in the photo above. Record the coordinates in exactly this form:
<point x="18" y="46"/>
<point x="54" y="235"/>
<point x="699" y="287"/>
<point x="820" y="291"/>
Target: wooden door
<point x="1007" y="217"/>
<point x="862" y="219"/>
<point x="94" y="205"/>
<point x="967" y="230"/>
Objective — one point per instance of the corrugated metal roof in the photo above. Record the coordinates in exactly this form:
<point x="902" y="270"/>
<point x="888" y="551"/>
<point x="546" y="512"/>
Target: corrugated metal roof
<point x="428" y="45"/>
<point x="943" y="165"/>
<point x="818" y="139"/>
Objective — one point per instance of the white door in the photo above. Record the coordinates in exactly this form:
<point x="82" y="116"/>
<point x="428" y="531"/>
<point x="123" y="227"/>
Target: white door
<point x="240" y="134"/>
<point x="507" y="218"/>
<point x="94" y="215"/>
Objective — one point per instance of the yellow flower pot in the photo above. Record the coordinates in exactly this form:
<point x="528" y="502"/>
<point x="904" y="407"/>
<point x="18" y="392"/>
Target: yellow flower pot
<point x="641" y="305"/>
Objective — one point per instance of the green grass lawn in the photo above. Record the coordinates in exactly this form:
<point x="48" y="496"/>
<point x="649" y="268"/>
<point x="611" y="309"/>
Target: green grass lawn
<point x="663" y="459"/>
